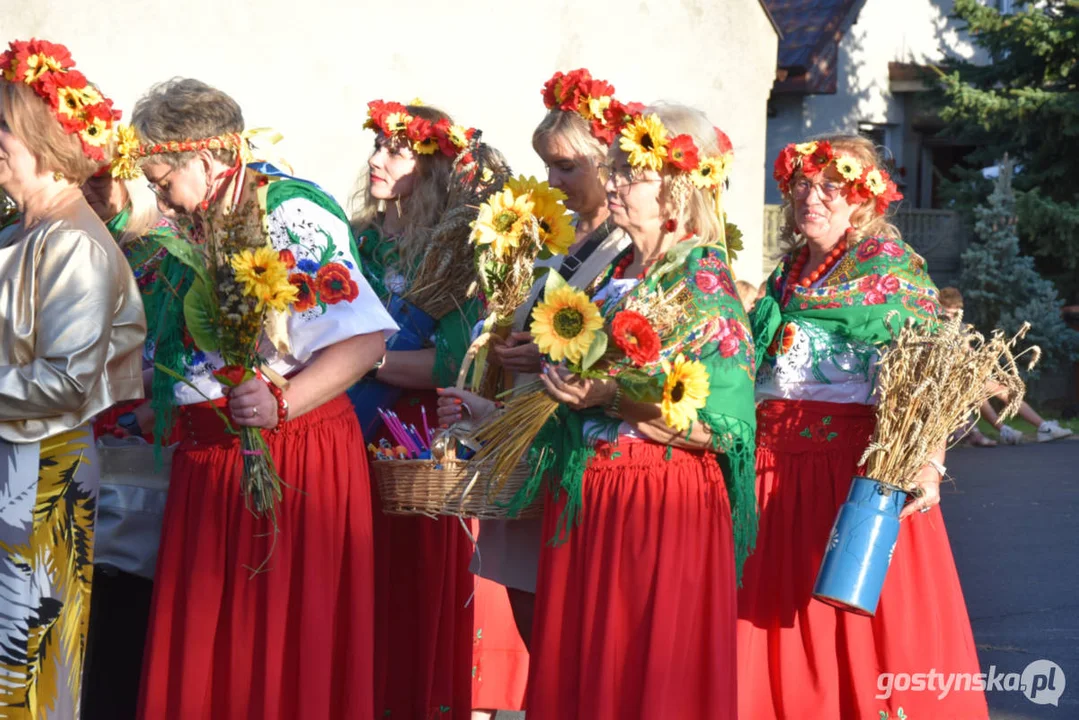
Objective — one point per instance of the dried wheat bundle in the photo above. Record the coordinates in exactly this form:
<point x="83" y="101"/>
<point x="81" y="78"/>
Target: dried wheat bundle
<point x="929" y="383"/>
<point x="442" y="281"/>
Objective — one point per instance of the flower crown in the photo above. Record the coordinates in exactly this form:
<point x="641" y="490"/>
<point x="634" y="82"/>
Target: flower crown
<point x="577" y="91"/>
<point x="129" y="151"/>
<point x="79" y="106"/>
<point x="392" y="119"/>
<point x="859" y="183"/>
<point x="649" y="146"/>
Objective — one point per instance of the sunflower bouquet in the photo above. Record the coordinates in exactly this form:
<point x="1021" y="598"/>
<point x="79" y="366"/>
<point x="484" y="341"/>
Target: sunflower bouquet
<point x="524" y="222"/>
<point x="241" y="287"/>
<point x="637" y="340"/>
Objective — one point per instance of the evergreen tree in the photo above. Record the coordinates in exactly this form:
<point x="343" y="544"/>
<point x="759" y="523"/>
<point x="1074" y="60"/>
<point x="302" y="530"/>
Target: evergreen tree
<point x="1001" y="289"/>
<point x="1024" y="103"/>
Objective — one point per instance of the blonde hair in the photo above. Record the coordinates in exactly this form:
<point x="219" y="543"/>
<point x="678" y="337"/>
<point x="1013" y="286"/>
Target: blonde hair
<point x="421" y="209"/>
<point x="865" y="221"/>
<point x="144" y="213"/>
<point x="692" y="207"/>
<point x="572" y="129"/>
<point x="34" y="123"/>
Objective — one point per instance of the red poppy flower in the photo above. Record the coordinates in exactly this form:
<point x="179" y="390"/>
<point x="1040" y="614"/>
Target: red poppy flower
<point x="783" y="341"/>
<point x="419" y="129"/>
<point x="307" y="296"/>
<point x="723" y="141"/>
<point x="890" y="195"/>
<point x="564" y="90"/>
<point x="335" y="284"/>
<point x="784" y="168"/>
<point x="634" y="336"/>
<point x="233" y="375"/>
<point x="288" y="258"/>
<point x="682" y="153"/>
<point x="441" y="130"/>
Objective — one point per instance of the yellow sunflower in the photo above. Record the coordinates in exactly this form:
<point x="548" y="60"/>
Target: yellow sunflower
<point x="685" y="391"/>
<point x="264" y="277"/>
<point x="555" y="223"/>
<point x="875" y="182"/>
<point x="565" y="324"/>
<point x="848" y="167"/>
<point x="502" y="220"/>
<point x="397" y="122"/>
<point x="72" y="101"/>
<point x="426" y="147"/>
<point x="807" y="148"/>
<point x="124" y="164"/>
<point x="645" y="141"/>
<point x="97" y="133"/>
<point x="592" y="108"/>
<point x="709" y="173"/>
<point x="458" y="135"/>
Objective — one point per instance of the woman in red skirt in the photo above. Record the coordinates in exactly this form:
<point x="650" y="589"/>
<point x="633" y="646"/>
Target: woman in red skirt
<point x="293" y="640"/>
<point x="824" y="317"/>
<point x="652" y="511"/>
<point x="440" y="631"/>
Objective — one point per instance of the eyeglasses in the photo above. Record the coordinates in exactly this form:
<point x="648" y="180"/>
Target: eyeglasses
<point x="156" y="187"/>
<point x="828" y="190"/>
<point x="622" y="175"/>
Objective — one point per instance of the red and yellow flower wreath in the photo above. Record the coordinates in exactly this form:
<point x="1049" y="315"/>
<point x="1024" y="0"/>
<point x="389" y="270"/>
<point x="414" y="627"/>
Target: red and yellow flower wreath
<point x="859" y="183"/>
<point x="79" y="106"/>
<point x="393" y="120"/>
<point x="577" y="91"/>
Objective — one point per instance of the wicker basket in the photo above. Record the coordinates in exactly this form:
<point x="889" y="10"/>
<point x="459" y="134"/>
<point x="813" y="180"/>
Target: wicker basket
<point x="447" y="486"/>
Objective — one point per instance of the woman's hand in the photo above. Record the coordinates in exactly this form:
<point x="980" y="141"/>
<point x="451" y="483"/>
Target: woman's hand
<point x="251" y="404"/>
<point x="454" y="405"/>
<point x="577" y="392"/>
<point x="519" y="354"/>
<point x="928" y="481"/>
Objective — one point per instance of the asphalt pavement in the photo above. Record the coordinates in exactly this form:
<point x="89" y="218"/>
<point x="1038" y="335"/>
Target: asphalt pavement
<point x="1013" y="519"/>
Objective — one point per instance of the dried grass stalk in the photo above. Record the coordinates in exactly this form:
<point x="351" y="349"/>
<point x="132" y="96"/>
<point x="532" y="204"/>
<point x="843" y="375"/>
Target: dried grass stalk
<point x="443" y="279"/>
<point x="929" y="384"/>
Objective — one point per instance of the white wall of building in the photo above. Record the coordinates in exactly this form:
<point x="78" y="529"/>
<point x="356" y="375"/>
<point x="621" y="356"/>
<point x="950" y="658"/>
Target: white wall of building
<point x="884" y="31"/>
<point x="309" y="68"/>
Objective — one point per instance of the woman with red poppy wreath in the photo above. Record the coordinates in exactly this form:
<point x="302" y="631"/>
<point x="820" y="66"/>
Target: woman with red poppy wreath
<point x="437" y="653"/>
<point x="648" y="512"/>
<point x="823" y="320"/>
<point x="294" y="638"/>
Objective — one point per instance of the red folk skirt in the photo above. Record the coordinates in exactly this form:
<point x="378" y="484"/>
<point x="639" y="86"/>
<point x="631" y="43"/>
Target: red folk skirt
<point x="635" y="613"/>
<point x="799" y="657"/>
<point x="423" y="627"/>
<point x="295" y="640"/>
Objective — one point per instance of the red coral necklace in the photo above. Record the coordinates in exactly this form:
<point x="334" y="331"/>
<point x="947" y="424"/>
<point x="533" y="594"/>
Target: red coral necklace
<point x="799" y="264"/>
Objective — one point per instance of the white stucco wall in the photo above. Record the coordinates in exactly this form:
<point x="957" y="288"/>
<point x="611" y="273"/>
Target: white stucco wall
<point x="309" y="68"/>
<point x="910" y="31"/>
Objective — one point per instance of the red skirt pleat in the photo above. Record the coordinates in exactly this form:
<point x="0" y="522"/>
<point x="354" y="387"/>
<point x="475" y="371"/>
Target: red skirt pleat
<point x="635" y="613"/>
<point x="295" y="640"/>
<point x="799" y="657"/>
<point x="424" y="621"/>
<point x="499" y="656"/>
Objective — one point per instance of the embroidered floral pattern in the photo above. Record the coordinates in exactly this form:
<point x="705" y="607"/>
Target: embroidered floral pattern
<point x="876" y="288"/>
<point x="784" y="339"/>
<point x="871" y="247"/>
<point x="818" y="431"/>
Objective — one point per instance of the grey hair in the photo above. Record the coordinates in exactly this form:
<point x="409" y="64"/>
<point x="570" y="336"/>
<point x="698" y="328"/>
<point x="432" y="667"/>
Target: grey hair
<point x="186" y="109"/>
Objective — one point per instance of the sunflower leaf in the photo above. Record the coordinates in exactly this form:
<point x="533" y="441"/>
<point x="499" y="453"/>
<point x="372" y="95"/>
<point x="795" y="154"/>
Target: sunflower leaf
<point x="554" y="282"/>
<point x="640" y="386"/>
<point x="595" y="350"/>
<point x="200" y="316"/>
<point x="186" y="253"/>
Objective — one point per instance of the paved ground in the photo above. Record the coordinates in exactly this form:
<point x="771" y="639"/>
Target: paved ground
<point x="1013" y="519"/>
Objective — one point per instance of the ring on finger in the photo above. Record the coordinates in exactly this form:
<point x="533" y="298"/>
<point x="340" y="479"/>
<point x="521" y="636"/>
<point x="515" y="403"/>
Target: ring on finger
<point x="926" y="507"/>
<point x="254" y="411"/>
